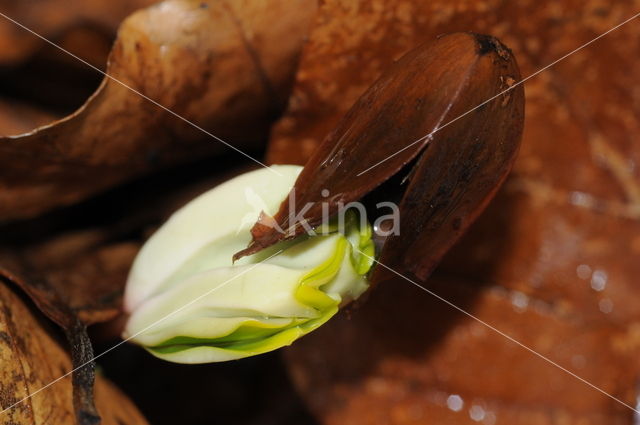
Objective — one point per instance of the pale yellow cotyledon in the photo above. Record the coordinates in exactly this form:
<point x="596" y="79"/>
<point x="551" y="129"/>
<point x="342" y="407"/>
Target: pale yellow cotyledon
<point x="187" y="301"/>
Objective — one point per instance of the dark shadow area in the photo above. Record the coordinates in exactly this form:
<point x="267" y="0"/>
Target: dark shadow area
<point x="55" y="81"/>
<point x="253" y="391"/>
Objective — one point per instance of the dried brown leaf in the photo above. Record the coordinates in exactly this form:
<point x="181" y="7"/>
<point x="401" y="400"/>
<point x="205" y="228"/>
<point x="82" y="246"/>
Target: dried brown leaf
<point x="230" y="81"/>
<point x="566" y="218"/>
<point x="31" y="359"/>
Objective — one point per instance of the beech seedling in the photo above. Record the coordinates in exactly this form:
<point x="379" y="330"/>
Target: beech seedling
<point x="211" y="285"/>
<point x="189" y="303"/>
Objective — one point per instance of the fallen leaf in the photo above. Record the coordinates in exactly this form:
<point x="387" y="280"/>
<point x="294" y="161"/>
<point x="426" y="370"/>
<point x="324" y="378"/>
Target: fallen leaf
<point x="230" y="82"/>
<point x="549" y="262"/>
<point x="33" y="359"/>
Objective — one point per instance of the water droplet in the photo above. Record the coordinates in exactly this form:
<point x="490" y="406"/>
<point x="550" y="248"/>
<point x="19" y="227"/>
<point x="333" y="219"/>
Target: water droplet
<point x="605" y="305"/>
<point x="476" y="413"/>
<point x="489" y="418"/>
<point x="583" y="271"/>
<point x="455" y="402"/>
<point x="520" y="301"/>
<point x="599" y="280"/>
<point x="581" y="199"/>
